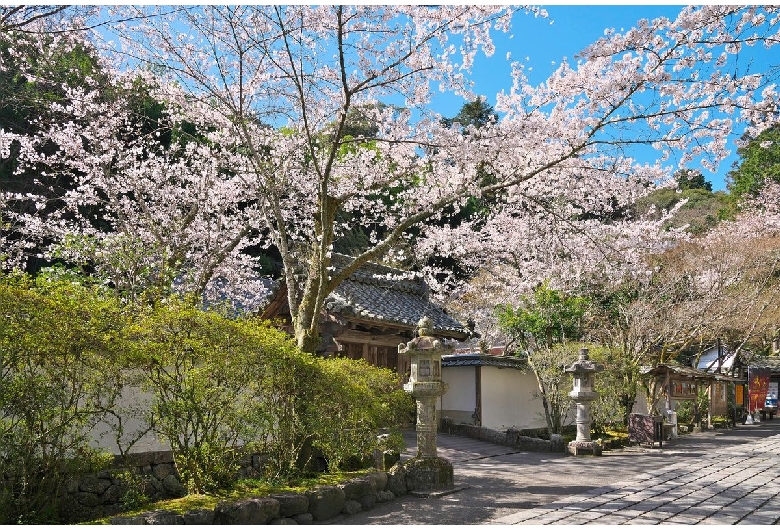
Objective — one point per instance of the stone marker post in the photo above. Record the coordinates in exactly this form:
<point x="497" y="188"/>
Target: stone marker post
<point x="427" y="471"/>
<point x="583" y="394"/>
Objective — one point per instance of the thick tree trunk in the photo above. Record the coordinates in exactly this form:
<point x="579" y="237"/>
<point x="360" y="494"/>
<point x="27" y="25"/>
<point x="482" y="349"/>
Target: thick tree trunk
<point x="545" y="404"/>
<point x="307" y="340"/>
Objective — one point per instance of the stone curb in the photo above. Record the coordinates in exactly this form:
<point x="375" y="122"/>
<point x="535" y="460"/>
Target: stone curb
<point x="324" y="503"/>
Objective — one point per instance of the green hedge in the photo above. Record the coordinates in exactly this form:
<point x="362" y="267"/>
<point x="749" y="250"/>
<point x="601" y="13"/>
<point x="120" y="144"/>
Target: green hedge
<point x="219" y="387"/>
<point x="57" y="356"/>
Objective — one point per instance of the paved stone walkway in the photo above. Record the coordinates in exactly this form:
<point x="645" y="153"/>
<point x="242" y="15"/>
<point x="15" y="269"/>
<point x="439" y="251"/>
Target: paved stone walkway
<point x="721" y="477"/>
<point x="723" y="487"/>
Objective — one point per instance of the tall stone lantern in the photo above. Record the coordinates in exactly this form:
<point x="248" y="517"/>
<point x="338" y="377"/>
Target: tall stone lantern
<point x="427" y="471"/>
<point x="583" y="393"/>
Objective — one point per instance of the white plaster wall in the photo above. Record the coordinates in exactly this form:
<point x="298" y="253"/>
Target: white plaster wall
<point x="130" y="407"/>
<point x="460" y="401"/>
<point x="508" y="399"/>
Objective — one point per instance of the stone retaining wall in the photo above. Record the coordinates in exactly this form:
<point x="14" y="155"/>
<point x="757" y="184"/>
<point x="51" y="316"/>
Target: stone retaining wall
<point x="101" y="494"/>
<point x="319" y="504"/>
<point x="96" y="495"/>
<point x="510" y="438"/>
<point x="151" y="474"/>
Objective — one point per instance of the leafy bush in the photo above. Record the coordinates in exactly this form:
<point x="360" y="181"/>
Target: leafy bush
<point x="213" y="382"/>
<point x="686" y="410"/>
<point x="617" y="387"/>
<point x="219" y="384"/>
<point x="219" y="387"/>
<point x="357" y="402"/>
<point x="57" y="350"/>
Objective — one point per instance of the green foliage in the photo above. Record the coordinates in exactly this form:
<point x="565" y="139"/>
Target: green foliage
<point x="543" y="325"/>
<point x="692" y="180"/>
<point x="686" y="410"/>
<point x="134" y="496"/>
<point x="57" y="348"/>
<point x="219" y="388"/>
<point x="759" y="162"/>
<point x="554" y="384"/>
<point x="477" y="113"/>
<point x="357" y="401"/>
<point x="206" y="374"/>
<point x="220" y="383"/>
<point x="546" y="317"/>
<point x="616" y="386"/>
<point x="702" y="211"/>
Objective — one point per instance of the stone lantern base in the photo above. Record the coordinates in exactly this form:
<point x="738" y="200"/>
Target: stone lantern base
<point x="584" y="448"/>
<point x="426" y="473"/>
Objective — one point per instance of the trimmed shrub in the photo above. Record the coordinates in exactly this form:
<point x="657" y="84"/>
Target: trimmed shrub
<point x="358" y="401"/>
<point x="57" y="356"/>
<point x="217" y="384"/>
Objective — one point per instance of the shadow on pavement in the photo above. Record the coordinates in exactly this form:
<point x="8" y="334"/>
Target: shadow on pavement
<point x="502" y="480"/>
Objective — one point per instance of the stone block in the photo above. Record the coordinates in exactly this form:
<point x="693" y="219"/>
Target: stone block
<point x="155" y="484"/>
<point x="396" y="480"/>
<point x="91" y="484"/>
<point x="172" y="486"/>
<point x="201" y="516"/>
<point x="356" y="488"/>
<point x="72" y="486"/>
<point x="160" y="471"/>
<point x="367" y="501"/>
<point x="87" y="499"/>
<point x="291" y="503"/>
<point x="148" y="458"/>
<point x="384" y="496"/>
<point x="284" y="520"/>
<point x="351" y="507"/>
<point x="112" y="509"/>
<point x="165" y="517"/>
<point x="325" y="502"/>
<point x="429" y="474"/>
<point x="113" y="494"/>
<point x="246" y="511"/>
<point x="70" y="510"/>
<point x="379" y="478"/>
<point x="303" y="518"/>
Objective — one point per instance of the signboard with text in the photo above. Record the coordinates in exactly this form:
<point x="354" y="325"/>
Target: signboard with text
<point x="758" y="386"/>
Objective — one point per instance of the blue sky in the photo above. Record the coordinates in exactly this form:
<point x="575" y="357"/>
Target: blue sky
<point x="573" y="27"/>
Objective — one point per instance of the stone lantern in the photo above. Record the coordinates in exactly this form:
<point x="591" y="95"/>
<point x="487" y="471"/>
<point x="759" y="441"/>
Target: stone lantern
<point x="427" y="471"/>
<point x="583" y="394"/>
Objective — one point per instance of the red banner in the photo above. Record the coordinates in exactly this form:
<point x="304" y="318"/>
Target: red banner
<point x="758" y="385"/>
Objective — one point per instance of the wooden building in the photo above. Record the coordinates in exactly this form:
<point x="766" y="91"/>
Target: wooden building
<point x="371" y="312"/>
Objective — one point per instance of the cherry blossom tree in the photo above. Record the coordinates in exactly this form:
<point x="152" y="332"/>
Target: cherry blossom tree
<point x="671" y="84"/>
<point x="144" y="213"/>
<point x="273" y="87"/>
<point x="720" y="286"/>
<point x="301" y="70"/>
<point x="27" y="18"/>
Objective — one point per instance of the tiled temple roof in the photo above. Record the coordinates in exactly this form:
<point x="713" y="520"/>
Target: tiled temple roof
<point x="479" y="359"/>
<point x="388" y="295"/>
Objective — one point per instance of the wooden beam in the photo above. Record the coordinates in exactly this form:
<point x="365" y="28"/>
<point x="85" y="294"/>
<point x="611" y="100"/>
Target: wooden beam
<point x="368" y="338"/>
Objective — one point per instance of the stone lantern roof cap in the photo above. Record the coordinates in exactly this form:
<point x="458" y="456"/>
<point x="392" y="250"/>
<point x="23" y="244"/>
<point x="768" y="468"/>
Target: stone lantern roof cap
<point x="425" y="340"/>
<point x="584" y="364"/>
